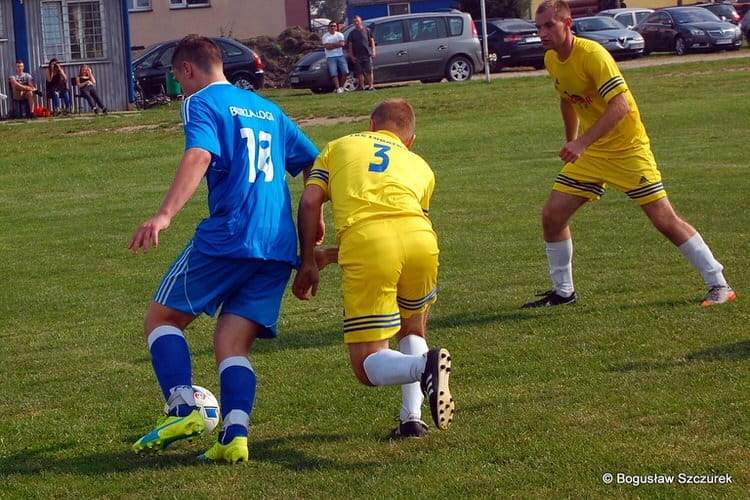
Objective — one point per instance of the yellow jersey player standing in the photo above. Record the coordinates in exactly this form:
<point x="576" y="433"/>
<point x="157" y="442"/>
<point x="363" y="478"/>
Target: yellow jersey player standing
<point x="388" y="253"/>
<point x="612" y="149"/>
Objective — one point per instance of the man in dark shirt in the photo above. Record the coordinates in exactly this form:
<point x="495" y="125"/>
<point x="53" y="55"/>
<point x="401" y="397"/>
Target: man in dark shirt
<point x="361" y="51"/>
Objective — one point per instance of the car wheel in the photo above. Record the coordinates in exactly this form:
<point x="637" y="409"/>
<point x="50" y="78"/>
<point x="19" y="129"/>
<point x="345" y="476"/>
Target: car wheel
<point x="493" y="61"/>
<point x="679" y="46"/>
<point x="242" y="81"/>
<point x="139" y="104"/>
<point x="351" y="83"/>
<point x="459" y="69"/>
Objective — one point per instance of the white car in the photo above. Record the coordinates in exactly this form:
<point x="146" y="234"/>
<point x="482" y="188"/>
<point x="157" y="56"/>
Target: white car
<point x="628" y="16"/>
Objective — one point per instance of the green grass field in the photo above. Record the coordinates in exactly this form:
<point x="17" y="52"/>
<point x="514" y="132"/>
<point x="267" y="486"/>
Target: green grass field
<point x="635" y="379"/>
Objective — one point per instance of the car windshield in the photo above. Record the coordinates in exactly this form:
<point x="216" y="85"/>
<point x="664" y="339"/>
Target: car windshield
<point x="722" y="10"/>
<point x="697" y="15"/>
<point x="639" y="16"/>
<point x="598" y="23"/>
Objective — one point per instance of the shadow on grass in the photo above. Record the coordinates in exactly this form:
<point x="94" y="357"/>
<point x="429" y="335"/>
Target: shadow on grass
<point x="284" y="452"/>
<point x="739" y="351"/>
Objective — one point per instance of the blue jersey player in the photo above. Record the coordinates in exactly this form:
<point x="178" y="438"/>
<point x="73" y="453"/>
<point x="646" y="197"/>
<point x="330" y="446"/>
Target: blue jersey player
<point x="241" y="256"/>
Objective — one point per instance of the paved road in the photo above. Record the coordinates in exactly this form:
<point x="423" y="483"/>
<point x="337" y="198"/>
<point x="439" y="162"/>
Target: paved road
<point x="650" y="60"/>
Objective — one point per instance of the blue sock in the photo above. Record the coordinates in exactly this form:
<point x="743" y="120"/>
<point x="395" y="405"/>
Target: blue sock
<point x="170" y="358"/>
<point x="238" y="383"/>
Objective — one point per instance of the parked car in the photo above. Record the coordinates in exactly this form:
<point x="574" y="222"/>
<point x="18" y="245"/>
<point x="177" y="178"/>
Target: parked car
<point x="745" y="26"/>
<point x="628" y="16"/>
<point x="723" y="10"/>
<point x="429" y="47"/>
<point x="685" y="29"/>
<point x="611" y="34"/>
<point x="242" y="67"/>
<point x="511" y="42"/>
<point x="742" y="7"/>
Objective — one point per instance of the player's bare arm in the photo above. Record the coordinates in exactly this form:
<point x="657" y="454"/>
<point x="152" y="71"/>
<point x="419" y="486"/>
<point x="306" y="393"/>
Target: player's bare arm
<point x="308" y="220"/>
<point x="617" y="109"/>
<point x="321" y="222"/>
<point x="190" y="172"/>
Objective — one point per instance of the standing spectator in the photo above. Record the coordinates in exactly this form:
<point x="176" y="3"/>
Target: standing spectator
<point x="361" y="51"/>
<point x="612" y="148"/>
<point x="334" y="44"/>
<point x="23" y="86"/>
<point x="57" y="87"/>
<point x="241" y="256"/>
<point x="87" y="86"/>
<point x="388" y="252"/>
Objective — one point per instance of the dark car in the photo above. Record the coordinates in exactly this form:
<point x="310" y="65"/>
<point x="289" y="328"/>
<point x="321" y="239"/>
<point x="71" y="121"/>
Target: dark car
<point x="511" y="42"/>
<point x="611" y="34"/>
<point x="427" y="46"/>
<point x="723" y="10"/>
<point x="685" y="29"/>
<point x="745" y="26"/>
<point x="242" y="67"/>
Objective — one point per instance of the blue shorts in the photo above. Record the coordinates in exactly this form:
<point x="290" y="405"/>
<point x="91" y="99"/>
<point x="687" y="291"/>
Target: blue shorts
<point x="250" y="288"/>
<point x="337" y="65"/>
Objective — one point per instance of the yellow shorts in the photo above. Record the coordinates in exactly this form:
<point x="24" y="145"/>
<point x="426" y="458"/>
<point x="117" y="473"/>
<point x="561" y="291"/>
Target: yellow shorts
<point x="389" y="270"/>
<point x="635" y="175"/>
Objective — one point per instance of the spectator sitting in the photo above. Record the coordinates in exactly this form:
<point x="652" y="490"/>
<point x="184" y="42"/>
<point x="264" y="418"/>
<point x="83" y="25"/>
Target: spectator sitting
<point x="23" y="87"/>
<point x="57" y="86"/>
<point x="87" y="85"/>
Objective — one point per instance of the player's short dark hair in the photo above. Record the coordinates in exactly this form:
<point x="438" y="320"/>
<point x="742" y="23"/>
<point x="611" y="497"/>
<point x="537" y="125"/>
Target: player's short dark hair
<point x="395" y="115"/>
<point x="199" y="50"/>
<point x="561" y="8"/>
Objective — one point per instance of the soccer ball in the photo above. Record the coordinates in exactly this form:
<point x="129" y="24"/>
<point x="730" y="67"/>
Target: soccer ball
<point x="208" y="406"/>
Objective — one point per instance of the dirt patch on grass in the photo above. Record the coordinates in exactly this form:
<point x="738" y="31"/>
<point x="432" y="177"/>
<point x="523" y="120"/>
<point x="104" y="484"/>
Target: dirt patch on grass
<point x="128" y="129"/>
<point x="336" y="120"/>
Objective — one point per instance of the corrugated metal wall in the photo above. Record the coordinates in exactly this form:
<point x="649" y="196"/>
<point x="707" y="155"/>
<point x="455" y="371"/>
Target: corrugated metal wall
<point x="7" y="52"/>
<point x="110" y="71"/>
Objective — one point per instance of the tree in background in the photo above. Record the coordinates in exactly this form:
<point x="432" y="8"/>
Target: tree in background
<point x="496" y="8"/>
<point x="330" y="9"/>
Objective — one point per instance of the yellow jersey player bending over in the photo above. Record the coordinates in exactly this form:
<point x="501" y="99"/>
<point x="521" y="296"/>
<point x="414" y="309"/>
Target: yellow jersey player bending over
<point x="388" y="253"/>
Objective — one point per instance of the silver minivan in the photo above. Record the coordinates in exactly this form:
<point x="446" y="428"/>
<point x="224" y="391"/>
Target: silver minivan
<point x="428" y="46"/>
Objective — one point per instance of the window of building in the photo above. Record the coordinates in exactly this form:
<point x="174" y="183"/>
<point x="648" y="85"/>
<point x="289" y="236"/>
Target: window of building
<point x="186" y="4"/>
<point x="72" y="30"/>
<point x="395" y="9"/>
<point x="136" y="5"/>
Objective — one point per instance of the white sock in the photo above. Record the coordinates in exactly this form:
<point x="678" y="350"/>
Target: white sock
<point x="411" y="394"/>
<point x="560" y="259"/>
<point x="699" y="255"/>
<point x="389" y="367"/>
